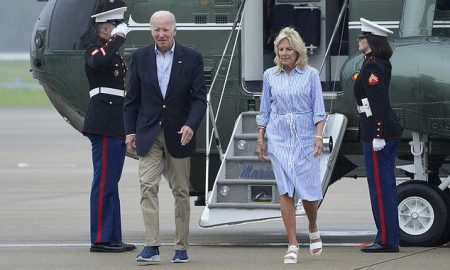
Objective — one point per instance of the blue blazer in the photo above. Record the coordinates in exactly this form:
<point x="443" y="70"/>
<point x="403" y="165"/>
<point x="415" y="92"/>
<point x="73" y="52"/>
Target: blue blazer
<point x="145" y="109"/>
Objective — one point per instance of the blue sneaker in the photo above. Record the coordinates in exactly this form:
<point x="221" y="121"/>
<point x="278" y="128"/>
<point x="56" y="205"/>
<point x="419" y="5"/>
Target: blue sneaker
<point x="180" y="256"/>
<point x="149" y="255"/>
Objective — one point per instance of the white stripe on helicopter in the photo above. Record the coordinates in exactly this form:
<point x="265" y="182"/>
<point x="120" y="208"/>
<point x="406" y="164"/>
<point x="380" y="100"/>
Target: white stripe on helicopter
<point x="396" y="24"/>
<point x="135" y="26"/>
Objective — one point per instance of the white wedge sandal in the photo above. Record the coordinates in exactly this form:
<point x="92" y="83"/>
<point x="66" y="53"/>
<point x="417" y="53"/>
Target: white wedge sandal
<point x="316" y="245"/>
<point x="291" y="254"/>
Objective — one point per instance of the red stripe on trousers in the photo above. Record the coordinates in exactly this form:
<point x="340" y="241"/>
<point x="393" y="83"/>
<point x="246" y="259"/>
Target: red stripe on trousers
<point x="376" y="173"/>
<point x="102" y="190"/>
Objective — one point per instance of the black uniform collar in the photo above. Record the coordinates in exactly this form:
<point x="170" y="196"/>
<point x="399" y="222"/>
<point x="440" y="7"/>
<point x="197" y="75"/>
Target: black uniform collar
<point x="369" y="55"/>
<point x="101" y="40"/>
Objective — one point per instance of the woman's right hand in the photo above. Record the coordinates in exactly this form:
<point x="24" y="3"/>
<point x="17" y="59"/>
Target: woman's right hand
<point x="260" y="149"/>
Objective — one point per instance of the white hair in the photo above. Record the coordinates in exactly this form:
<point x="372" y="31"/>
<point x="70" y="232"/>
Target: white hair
<point x="163" y="13"/>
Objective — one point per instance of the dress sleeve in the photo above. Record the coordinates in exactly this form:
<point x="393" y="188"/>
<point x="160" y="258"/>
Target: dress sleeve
<point x="264" y="111"/>
<point x="318" y="106"/>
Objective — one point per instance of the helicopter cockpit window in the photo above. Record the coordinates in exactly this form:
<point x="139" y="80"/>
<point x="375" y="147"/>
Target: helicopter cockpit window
<point x="71" y="26"/>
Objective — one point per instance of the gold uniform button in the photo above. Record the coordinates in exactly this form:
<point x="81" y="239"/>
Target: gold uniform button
<point x="110" y="103"/>
<point x="378" y="129"/>
<point x="164" y="106"/>
<point x="160" y="123"/>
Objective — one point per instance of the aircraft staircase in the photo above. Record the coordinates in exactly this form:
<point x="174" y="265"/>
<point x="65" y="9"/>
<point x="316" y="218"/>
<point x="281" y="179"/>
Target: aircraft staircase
<point x="245" y="188"/>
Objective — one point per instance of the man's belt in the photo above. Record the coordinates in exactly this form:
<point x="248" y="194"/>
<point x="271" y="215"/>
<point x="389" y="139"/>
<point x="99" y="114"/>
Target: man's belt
<point x="365" y="108"/>
<point x="107" y="90"/>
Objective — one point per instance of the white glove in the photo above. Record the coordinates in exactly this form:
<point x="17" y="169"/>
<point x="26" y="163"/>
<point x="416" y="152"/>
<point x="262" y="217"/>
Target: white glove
<point x="120" y="29"/>
<point x="378" y="144"/>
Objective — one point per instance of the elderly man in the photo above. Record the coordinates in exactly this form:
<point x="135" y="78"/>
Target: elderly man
<point x="164" y="106"/>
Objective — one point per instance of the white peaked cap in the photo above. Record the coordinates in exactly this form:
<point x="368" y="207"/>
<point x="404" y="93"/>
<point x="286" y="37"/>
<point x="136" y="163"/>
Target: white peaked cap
<point x="375" y="29"/>
<point x="110" y="15"/>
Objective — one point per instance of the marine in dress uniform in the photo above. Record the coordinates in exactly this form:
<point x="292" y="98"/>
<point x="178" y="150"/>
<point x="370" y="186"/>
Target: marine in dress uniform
<point x="103" y="125"/>
<point x="380" y="132"/>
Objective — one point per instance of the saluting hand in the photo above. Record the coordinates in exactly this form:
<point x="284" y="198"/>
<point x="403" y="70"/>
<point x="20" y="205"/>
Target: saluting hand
<point x="186" y="134"/>
<point x="121" y="30"/>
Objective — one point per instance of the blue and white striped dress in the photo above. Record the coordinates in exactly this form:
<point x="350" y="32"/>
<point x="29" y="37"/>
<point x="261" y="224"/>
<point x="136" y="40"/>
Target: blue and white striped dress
<point x="291" y="105"/>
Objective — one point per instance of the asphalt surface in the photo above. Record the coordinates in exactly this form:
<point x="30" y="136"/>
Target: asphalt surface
<point x="45" y="178"/>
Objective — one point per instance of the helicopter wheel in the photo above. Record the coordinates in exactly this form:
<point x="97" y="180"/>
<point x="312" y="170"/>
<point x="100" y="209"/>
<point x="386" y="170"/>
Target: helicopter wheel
<point x="422" y="213"/>
<point x="446" y="236"/>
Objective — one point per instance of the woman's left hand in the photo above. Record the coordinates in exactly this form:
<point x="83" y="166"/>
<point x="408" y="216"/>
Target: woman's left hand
<point x="318" y="145"/>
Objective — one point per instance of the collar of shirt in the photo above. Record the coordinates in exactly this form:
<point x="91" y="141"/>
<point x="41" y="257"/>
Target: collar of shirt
<point x="297" y="69"/>
<point x="164" y="67"/>
<point x="172" y="50"/>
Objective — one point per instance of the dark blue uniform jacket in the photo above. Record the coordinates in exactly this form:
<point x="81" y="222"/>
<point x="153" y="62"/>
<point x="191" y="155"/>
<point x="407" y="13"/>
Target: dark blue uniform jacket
<point x="373" y="83"/>
<point x="104" y="67"/>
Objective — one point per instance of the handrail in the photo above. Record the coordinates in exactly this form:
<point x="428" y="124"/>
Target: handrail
<point x="341" y="14"/>
<point x="210" y="115"/>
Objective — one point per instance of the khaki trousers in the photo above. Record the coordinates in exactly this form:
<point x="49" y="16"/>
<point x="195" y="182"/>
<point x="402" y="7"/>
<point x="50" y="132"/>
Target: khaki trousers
<point x="158" y="161"/>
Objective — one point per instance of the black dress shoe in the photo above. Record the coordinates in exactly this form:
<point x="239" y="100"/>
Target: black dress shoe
<point x="377" y="248"/>
<point x="128" y="247"/>
<point x="111" y="248"/>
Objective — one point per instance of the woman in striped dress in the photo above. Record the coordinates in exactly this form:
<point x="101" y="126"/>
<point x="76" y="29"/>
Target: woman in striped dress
<point x="292" y="115"/>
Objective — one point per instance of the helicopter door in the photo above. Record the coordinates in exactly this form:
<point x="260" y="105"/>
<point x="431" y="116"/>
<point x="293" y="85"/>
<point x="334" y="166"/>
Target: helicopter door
<point x="252" y="46"/>
<point x="315" y="20"/>
<point x="262" y="21"/>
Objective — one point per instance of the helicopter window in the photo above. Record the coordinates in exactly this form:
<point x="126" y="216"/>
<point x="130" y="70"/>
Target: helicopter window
<point x="200" y="18"/>
<point x="71" y="27"/>
<point x="221" y="18"/>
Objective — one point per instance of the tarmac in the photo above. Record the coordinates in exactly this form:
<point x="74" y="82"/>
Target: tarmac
<point x="45" y="178"/>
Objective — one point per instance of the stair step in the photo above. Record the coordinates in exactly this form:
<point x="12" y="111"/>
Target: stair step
<point x="246" y="182"/>
<point x="245" y="158"/>
<point x="245" y="144"/>
<point x="249" y="122"/>
<point x="245" y="205"/>
<point x="246" y="136"/>
<point x="247" y="191"/>
<point x="248" y="167"/>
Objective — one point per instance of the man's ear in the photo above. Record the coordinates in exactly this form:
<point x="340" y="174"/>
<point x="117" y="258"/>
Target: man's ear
<point x="175" y="31"/>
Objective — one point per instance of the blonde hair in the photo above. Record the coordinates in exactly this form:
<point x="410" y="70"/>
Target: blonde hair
<point x="296" y="43"/>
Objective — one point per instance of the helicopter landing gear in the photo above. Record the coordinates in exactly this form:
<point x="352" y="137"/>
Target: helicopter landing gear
<point x="423" y="208"/>
<point x="422" y="213"/>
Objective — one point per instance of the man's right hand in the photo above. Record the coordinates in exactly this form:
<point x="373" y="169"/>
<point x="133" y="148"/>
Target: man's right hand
<point x="130" y="141"/>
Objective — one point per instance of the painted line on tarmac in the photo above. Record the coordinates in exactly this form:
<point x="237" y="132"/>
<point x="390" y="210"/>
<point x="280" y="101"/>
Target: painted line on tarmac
<point x="45" y="166"/>
<point x="335" y="233"/>
<point x="69" y="245"/>
<point x="230" y="244"/>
